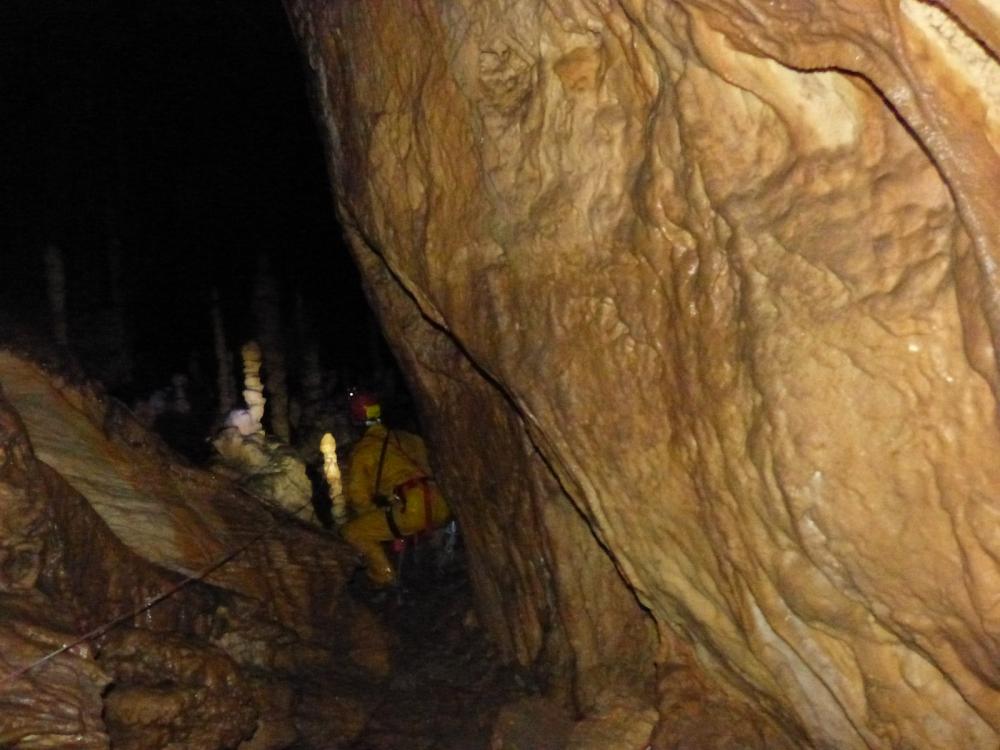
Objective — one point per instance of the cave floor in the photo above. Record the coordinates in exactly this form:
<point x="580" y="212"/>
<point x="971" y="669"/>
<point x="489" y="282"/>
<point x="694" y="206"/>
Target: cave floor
<point x="449" y="684"/>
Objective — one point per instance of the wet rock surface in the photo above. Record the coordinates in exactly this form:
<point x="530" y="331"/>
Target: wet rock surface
<point x="193" y="617"/>
<point x="58" y="702"/>
<point x="172" y="692"/>
<point x="277" y="648"/>
<point x="700" y="299"/>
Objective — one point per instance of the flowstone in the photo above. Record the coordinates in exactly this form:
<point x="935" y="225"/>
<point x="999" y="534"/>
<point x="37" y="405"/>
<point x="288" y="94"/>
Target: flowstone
<point x="700" y="300"/>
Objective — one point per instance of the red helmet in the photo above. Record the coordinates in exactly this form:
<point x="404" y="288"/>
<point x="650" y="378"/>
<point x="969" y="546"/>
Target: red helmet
<point x="364" y="406"/>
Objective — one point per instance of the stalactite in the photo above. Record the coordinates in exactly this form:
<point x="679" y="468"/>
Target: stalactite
<point x="55" y="276"/>
<point x="311" y="379"/>
<point x="268" y="311"/>
<point x="223" y="363"/>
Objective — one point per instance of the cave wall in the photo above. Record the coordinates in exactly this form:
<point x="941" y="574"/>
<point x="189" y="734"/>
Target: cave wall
<point x="35" y="704"/>
<point x="700" y="300"/>
<point x="550" y="595"/>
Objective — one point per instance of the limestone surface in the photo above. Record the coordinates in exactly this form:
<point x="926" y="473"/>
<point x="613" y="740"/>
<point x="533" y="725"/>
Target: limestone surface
<point x="702" y="301"/>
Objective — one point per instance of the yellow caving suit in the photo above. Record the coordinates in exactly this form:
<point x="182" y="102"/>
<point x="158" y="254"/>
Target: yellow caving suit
<point x="405" y="474"/>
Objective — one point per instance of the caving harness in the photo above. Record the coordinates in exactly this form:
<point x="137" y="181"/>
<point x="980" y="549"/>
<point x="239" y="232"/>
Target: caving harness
<point x="399" y="495"/>
<point x="398" y="499"/>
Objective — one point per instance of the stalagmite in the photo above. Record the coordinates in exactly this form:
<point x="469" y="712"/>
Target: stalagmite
<point x="313" y="388"/>
<point x="55" y="276"/>
<point x="305" y="410"/>
<point x="266" y="466"/>
<point x="267" y="307"/>
<point x="223" y="363"/>
<point x="253" y="388"/>
<point x="180" y="402"/>
<point x="120" y="325"/>
<point x="331" y="470"/>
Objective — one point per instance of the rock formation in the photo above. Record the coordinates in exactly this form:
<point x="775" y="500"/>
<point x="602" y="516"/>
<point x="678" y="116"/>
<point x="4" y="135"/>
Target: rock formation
<point x="705" y="297"/>
<point x="223" y="365"/>
<point x="253" y="387"/>
<point x="267" y="311"/>
<point x="334" y="483"/>
<point x="104" y="640"/>
<point x="266" y="466"/>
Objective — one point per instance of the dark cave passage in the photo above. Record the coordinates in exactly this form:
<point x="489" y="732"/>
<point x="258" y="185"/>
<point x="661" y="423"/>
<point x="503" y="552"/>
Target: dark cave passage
<point x="448" y="686"/>
<point x="165" y="159"/>
<point x="683" y="312"/>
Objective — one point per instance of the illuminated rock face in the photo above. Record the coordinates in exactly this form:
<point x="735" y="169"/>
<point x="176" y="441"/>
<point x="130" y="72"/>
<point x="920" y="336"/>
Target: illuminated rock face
<point x="701" y="296"/>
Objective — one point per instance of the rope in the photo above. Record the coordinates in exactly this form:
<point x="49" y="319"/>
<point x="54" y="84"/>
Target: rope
<point x="148" y="604"/>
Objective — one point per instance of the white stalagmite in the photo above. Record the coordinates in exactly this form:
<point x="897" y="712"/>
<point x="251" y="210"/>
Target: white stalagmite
<point x="253" y="388"/>
<point x="331" y="470"/>
<point x="55" y="276"/>
<point x="265" y="466"/>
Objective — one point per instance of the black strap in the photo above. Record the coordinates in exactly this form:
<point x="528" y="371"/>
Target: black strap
<point x="381" y="463"/>
<point x="392" y="524"/>
<point x="393" y="527"/>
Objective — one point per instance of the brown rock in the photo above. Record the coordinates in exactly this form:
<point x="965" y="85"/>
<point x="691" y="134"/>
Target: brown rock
<point x="22" y="519"/>
<point x="171" y="692"/>
<point x="188" y="592"/>
<point x="704" y="296"/>
<point x="275" y="723"/>
<point x="57" y="703"/>
<point x="531" y="724"/>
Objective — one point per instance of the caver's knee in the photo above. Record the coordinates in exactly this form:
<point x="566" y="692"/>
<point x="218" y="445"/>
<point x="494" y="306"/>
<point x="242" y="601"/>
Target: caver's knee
<point x="380" y="572"/>
<point x="442" y="513"/>
<point x="366" y="529"/>
<point x="352" y="533"/>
